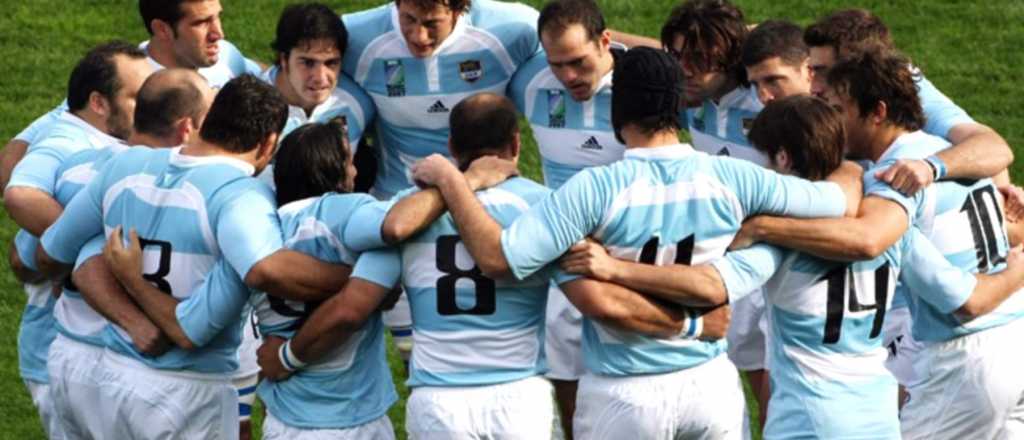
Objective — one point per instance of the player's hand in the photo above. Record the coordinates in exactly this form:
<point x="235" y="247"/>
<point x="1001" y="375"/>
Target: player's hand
<point x="1013" y="205"/>
<point x="489" y="171"/>
<point x="746" y="237"/>
<point x="267" y="358"/>
<point x="716" y="323"/>
<point x="148" y="339"/>
<point x="907" y="176"/>
<point x="590" y="259"/>
<point x="431" y="170"/>
<point x="124" y="262"/>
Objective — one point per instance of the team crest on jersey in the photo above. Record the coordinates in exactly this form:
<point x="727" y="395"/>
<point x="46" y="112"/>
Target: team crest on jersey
<point x="556" y="109"/>
<point x="471" y="70"/>
<point x="698" y="119"/>
<point x="395" y="74"/>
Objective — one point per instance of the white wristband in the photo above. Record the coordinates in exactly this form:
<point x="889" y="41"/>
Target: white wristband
<point x="287" y="357"/>
<point x="693" y="325"/>
<point x="698" y="325"/>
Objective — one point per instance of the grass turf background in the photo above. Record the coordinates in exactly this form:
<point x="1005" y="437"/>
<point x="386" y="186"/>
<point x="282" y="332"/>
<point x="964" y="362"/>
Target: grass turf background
<point x="970" y="50"/>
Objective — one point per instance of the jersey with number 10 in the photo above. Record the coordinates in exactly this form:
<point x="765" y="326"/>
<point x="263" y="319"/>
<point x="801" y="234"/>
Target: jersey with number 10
<point x="415" y="95"/>
<point x="350" y="385"/>
<point x="964" y="219"/>
<point x="189" y="212"/>
<point x="658" y="206"/>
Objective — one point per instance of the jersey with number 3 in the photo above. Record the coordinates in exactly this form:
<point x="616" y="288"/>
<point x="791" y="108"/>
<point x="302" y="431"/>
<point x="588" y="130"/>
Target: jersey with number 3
<point x="964" y="219"/>
<point x="351" y="384"/>
<point x="190" y="212"/>
<point x="468" y="329"/>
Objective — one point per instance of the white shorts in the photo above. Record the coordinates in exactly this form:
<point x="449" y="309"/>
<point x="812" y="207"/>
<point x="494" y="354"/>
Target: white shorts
<point x="73" y="368"/>
<point x="520" y="410"/>
<point x="143" y="403"/>
<point x="379" y="429"/>
<point x="970" y="387"/>
<point x="40" y="393"/>
<point x="746" y="335"/>
<point x="246" y="389"/>
<point x="562" y="337"/>
<point x="703" y="402"/>
<point x="903" y="348"/>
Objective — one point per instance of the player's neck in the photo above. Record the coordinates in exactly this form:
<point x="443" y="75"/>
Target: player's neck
<point x="138" y="138"/>
<point x="163" y="54"/>
<point x="729" y="85"/>
<point x="637" y="139"/>
<point x="884" y="139"/>
<point x="200" y="147"/>
<point x="92" y="119"/>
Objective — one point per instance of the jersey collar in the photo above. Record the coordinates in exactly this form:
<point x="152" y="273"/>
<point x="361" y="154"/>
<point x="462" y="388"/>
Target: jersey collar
<point x="96" y="137"/>
<point x="186" y="160"/>
<point x="677" y="151"/>
<point x="460" y="28"/>
<point x="901" y="140"/>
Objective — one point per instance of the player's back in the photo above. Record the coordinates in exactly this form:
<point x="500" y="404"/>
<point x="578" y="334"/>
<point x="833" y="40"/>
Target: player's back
<point x="570" y="135"/>
<point x="351" y="384"/>
<point x="827" y="355"/>
<point x="175" y="202"/>
<point x="469" y="329"/>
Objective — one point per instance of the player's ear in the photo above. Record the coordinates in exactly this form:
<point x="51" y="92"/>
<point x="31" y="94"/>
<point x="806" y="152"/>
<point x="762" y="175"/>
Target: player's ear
<point x="880" y="113"/>
<point x="184" y="129"/>
<point x="161" y="29"/>
<point x="516" y="145"/>
<point x="605" y="40"/>
<point x="99" y="104"/>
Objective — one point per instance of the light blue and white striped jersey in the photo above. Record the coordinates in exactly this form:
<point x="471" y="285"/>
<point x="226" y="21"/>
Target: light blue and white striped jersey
<point x="191" y="212"/>
<point x="39" y="169"/>
<point x="352" y="384"/>
<point x="721" y="129"/>
<point x="468" y="329"/>
<point x="659" y="206"/>
<point x="415" y="95"/>
<point x="940" y="113"/>
<point x="570" y="135"/>
<point x="230" y="64"/>
<point x="964" y="219"/>
<point x="826" y="319"/>
<point x="39" y="126"/>
<point x="348" y="101"/>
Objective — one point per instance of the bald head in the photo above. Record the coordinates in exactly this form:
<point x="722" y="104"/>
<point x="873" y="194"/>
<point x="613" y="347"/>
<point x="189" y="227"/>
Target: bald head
<point x="483" y="124"/>
<point x="169" y="97"/>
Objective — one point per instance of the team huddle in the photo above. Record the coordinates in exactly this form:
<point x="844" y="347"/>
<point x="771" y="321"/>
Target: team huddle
<point x="199" y="230"/>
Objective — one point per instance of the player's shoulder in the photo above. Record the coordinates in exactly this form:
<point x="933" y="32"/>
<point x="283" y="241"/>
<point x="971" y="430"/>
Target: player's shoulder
<point x="536" y="65"/>
<point x="914" y="145"/>
<point x="343" y="204"/>
<point x="744" y="97"/>
<point x="489" y="14"/>
<point x="525" y="189"/>
<point x="366" y="25"/>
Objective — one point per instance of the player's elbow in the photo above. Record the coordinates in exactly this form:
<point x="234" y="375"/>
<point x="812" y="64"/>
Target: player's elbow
<point x="17" y="200"/>
<point x="394" y="232"/>
<point x="972" y="309"/>
<point x="868" y="247"/>
<point x="261" y="276"/>
<point x="494" y="267"/>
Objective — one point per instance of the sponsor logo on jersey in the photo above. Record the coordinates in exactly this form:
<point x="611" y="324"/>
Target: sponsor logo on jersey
<point x="395" y="74"/>
<point x="471" y="70"/>
<point x="438" y="107"/>
<point x="724" y="152"/>
<point x="592" y="144"/>
<point x="556" y="109"/>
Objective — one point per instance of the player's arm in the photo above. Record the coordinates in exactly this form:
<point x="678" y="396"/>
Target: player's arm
<point x="412" y="214"/>
<point x="879" y="223"/>
<point x="106" y="296"/>
<point x="296" y="276"/>
<point x="634" y="40"/>
<point x="63" y="241"/>
<point x="334" y="321"/>
<point x="21" y="272"/>
<point x="12" y="153"/>
<point x="32" y="209"/>
<point x="724" y="280"/>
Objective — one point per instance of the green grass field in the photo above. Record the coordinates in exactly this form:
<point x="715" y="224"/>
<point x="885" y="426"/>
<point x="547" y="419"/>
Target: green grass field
<point x="970" y="50"/>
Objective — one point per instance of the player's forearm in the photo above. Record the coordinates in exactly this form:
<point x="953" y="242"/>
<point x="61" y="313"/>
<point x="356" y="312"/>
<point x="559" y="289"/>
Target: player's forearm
<point x="990" y="292"/>
<point x="633" y="40"/>
<point x="337" y="319"/>
<point x="479" y="232"/>
<point x="840" y="239"/>
<point x="296" y="276"/>
<point x="21" y="272"/>
<point x="411" y="215"/>
<point x="161" y="308"/>
<point x="978" y="152"/>
<point x="50" y="268"/>
<point x="623" y="308"/>
<point x="33" y="210"/>
<point x="9" y="158"/>
<point x="101" y="290"/>
<point x="698" y="286"/>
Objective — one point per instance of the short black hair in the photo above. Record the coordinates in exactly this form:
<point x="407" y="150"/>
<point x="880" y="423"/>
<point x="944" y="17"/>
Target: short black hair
<point x="481" y="124"/>
<point x="243" y="114"/>
<point x="871" y="77"/>
<point x="97" y="72"/>
<point x="647" y="91"/>
<point x="775" y="38"/>
<point x="713" y="33"/>
<point x="159" y="105"/>
<point x="168" y="11"/>
<point x="312" y="161"/>
<point x="456" y="6"/>
<point x="307" y="22"/>
<point x="558" y="15"/>
<point x="809" y="130"/>
<point x="848" y="28"/>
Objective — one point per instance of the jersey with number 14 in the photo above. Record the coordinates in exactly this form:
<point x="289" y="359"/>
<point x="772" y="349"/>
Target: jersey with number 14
<point x="350" y="385"/>
<point x="470" y="330"/>
<point x="964" y="219"/>
<point x="415" y="95"/>
<point x="658" y="206"/>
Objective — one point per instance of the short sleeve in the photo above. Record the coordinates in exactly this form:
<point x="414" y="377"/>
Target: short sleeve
<point x="940" y="113"/>
<point x="878" y="188"/>
<point x="92" y="248"/>
<point x="763" y="191"/>
<point x="929" y="275"/>
<point x="32" y="133"/>
<point x="248" y="229"/>
<point x="744" y="272"/>
<point x="25" y="244"/>
<point x="82" y="219"/>
<point x="363" y="230"/>
<point x="382" y="267"/>
<point x="214" y="305"/>
<point x="39" y="168"/>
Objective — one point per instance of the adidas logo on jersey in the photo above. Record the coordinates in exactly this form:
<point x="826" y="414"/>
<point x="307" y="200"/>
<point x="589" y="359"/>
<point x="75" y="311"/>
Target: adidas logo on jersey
<point x="724" y="152"/>
<point x="592" y="144"/>
<point x="438" y="107"/>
